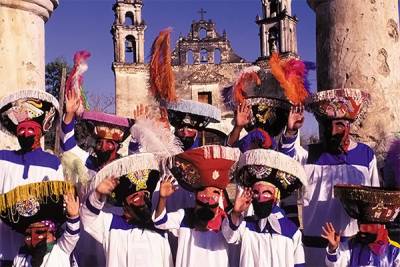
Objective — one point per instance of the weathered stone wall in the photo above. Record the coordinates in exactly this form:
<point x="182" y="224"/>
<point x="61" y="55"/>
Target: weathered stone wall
<point x="22" y="57"/>
<point x="358" y="46"/>
<point x="131" y="87"/>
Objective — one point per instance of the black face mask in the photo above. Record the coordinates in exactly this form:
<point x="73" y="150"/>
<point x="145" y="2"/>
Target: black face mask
<point x="26" y="142"/>
<point x="365" y="238"/>
<point x="262" y="209"/>
<point x="103" y="156"/>
<point x="205" y="212"/>
<point x="334" y="143"/>
<point x="187" y="142"/>
<point x="141" y="214"/>
<point x="38" y="253"/>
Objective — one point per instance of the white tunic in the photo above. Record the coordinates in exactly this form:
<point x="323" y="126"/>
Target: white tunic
<point x="352" y="254"/>
<point x="60" y="254"/>
<point x="324" y="170"/>
<point x="125" y="245"/>
<point x="195" y="248"/>
<point x="274" y="241"/>
<point x="18" y="169"/>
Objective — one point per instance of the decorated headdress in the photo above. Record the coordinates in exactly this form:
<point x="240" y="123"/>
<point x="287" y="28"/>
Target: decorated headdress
<point x="28" y="105"/>
<point x="34" y="202"/>
<point x="267" y="165"/>
<point x="369" y="204"/>
<point x="205" y="166"/>
<point x="346" y="103"/>
<point x="192" y="113"/>
<point x="136" y="172"/>
<point x="75" y="79"/>
<point x="107" y="126"/>
<point x="270" y="94"/>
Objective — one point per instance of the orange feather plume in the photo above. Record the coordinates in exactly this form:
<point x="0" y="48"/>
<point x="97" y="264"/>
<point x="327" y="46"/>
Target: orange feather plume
<point x="246" y="80"/>
<point x="162" y="79"/>
<point x="290" y="74"/>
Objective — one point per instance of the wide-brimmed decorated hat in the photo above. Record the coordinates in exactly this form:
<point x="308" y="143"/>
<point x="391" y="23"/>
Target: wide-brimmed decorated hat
<point x="268" y="165"/>
<point x="191" y="113"/>
<point x="205" y="166"/>
<point x="106" y="126"/>
<point x="369" y="204"/>
<point x="35" y="202"/>
<point x="28" y="105"/>
<point x="136" y="172"/>
<point x="345" y="103"/>
<point x="269" y="93"/>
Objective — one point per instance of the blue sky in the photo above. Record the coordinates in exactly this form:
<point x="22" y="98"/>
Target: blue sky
<point x="85" y="24"/>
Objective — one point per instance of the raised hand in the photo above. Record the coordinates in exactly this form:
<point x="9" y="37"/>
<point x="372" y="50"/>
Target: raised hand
<point x="243" y="201"/>
<point x="107" y="186"/>
<point x="72" y="101"/>
<point x="167" y="187"/>
<point x="141" y="112"/>
<point x="332" y="236"/>
<point x="295" y="119"/>
<point x="242" y="115"/>
<point x="72" y="205"/>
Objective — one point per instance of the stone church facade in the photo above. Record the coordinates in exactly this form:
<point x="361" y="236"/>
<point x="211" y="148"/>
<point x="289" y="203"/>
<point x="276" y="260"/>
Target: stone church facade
<point x="203" y="60"/>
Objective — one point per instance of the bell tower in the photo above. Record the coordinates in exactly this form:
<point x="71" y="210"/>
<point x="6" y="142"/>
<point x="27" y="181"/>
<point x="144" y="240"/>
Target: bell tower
<point x="129" y="67"/>
<point x="128" y="32"/>
<point x="277" y="29"/>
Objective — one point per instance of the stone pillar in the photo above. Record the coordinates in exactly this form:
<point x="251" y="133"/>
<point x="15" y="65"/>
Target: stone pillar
<point x="358" y="46"/>
<point x="22" y="48"/>
<point x="22" y="57"/>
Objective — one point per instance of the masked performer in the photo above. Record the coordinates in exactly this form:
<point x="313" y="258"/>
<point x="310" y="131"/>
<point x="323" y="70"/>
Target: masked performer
<point x="337" y="159"/>
<point x="27" y="115"/>
<point x="204" y="170"/>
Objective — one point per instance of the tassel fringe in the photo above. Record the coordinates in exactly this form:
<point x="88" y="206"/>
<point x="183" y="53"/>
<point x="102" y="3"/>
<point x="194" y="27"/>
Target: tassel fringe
<point x="38" y="190"/>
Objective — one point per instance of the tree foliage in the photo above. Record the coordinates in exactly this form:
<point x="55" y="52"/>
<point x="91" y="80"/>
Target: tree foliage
<point x="53" y="75"/>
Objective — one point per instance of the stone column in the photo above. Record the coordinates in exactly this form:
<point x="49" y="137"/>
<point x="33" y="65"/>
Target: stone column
<point x="22" y="57"/>
<point x="22" y="47"/>
<point x="358" y="46"/>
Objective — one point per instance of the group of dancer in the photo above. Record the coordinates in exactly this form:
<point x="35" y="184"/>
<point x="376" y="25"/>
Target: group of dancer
<point x="166" y="202"/>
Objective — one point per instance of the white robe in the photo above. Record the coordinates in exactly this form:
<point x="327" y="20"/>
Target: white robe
<point x="324" y="171"/>
<point x="352" y="254"/>
<point x="274" y="241"/>
<point x="18" y="169"/>
<point x="60" y="255"/>
<point x="195" y="248"/>
<point x="124" y="244"/>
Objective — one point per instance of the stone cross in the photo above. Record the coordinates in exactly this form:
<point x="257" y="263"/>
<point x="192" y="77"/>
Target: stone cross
<point x="202" y="12"/>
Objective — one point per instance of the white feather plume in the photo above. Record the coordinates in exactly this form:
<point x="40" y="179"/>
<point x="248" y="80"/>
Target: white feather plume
<point x="153" y="137"/>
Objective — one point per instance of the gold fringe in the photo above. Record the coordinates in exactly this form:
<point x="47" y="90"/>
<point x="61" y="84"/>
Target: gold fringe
<point x="38" y="190"/>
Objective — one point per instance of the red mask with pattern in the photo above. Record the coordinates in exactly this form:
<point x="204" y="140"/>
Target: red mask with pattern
<point x="29" y="134"/>
<point x="106" y="151"/>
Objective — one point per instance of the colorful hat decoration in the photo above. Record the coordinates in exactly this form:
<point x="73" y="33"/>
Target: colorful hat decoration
<point x="162" y="78"/>
<point x="136" y="172"/>
<point x="346" y="103"/>
<point x="205" y="166"/>
<point x="192" y="113"/>
<point x="369" y="204"/>
<point x="268" y="165"/>
<point x="26" y="105"/>
<point x="75" y="79"/>
<point x="107" y="126"/>
<point x="151" y="136"/>
<point x="34" y="202"/>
